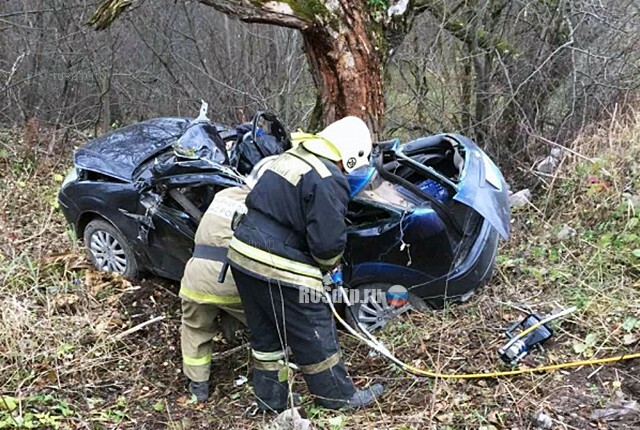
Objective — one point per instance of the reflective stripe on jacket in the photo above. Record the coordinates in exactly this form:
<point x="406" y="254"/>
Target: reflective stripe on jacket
<point x="295" y="225"/>
<point x="200" y="281"/>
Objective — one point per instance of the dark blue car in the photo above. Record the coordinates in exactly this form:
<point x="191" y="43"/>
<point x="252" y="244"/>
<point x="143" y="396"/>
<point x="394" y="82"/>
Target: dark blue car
<point x="425" y="215"/>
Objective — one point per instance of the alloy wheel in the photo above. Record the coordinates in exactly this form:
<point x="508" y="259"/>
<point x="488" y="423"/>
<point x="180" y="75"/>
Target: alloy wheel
<point x="376" y="311"/>
<point x="108" y="253"/>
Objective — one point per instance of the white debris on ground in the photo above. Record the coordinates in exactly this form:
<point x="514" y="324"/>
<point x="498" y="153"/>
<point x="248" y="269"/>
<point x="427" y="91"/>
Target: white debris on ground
<point x="240" y="381"/>
<point x="542" y="420"/>
<point x="550" y="164"/>
<point x="398" y="8"/>
<point x="290" y="419"/>
<point x="566" y="233"/>
<point x="520" y="199"/>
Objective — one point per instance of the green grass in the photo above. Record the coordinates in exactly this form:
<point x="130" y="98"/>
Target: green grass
<point x="62" y="367"/>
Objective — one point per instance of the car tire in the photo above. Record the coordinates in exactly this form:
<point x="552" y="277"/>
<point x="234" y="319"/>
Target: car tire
<point x="374" y="312"/>
<point x="108" y="249"/>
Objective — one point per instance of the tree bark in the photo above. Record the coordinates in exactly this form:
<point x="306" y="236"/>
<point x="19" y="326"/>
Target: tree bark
<point x="347" y="66"/>
<point x="347" y="43"/>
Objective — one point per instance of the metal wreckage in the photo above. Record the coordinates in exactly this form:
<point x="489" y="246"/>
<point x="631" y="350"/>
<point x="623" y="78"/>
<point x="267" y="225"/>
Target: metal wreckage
<point x="424" y="215"/>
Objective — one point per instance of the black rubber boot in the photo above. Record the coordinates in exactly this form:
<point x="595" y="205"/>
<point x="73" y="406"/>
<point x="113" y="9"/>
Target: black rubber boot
<point x="200" y="390"/>
<point x="363" y="398"/>
<point x="332" y="387"/>
<point x="271" y="394"/>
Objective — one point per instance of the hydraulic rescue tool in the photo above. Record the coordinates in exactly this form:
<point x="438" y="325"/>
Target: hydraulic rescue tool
<point x="533" y="332"/>
<point x="520" y="343"/>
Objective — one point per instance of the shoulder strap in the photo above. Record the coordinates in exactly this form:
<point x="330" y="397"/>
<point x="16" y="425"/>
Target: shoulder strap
<point x="313" y="161"/>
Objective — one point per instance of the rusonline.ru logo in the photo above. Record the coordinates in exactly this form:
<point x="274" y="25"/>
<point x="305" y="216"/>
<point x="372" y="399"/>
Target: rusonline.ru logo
<point x="397" y="296"/>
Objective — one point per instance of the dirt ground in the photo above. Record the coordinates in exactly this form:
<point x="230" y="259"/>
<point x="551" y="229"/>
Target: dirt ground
<point x="70" y="359"/>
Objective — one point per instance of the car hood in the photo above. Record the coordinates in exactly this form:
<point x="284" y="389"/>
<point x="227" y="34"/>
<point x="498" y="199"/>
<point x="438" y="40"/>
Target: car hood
<point x="120" y="152"/>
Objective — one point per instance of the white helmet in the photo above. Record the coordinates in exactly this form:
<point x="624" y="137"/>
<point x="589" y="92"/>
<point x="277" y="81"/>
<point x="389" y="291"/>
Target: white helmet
<point x="351" y="139"/>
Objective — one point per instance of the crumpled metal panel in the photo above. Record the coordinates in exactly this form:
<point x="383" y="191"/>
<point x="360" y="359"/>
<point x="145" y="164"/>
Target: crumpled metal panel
<point x="483" y="187"/>
<point x="119" y="153"/>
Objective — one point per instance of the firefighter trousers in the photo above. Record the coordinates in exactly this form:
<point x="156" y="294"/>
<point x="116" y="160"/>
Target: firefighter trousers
<point x="199" y="326"/>
<point x="279" y="320"/>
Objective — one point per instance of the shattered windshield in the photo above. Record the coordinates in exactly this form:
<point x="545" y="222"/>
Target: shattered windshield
<point x="384" y="192"/>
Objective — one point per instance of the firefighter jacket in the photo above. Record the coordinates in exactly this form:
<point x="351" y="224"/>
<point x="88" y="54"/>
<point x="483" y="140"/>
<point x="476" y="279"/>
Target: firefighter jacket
<point x="200" y="281"/>
<point x="295" y="225"/>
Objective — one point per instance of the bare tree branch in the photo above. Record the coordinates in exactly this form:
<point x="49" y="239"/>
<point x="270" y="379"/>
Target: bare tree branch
<point x="460" y="28"/>
<point x="262" y="12"/>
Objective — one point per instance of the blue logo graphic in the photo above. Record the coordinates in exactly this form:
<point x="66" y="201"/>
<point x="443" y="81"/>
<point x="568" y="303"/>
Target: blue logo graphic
<point x="397" y="296"/>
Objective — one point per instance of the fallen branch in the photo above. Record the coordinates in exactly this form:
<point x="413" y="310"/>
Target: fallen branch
<point x="229" y="352"/>
<point x="576" y="153"/>
<point x="139" y="327"/>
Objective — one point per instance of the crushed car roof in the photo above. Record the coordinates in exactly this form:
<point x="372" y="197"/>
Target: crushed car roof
<point x="120" y="152"/>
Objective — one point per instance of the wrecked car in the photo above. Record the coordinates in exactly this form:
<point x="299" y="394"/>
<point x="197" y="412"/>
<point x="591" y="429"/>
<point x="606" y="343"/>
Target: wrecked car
<point x="425" y="215"/>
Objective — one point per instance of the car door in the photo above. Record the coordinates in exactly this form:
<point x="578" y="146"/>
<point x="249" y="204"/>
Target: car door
<point x="174" y="207"/>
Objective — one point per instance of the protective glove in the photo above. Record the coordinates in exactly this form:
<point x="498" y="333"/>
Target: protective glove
<point x="333" y="278"/>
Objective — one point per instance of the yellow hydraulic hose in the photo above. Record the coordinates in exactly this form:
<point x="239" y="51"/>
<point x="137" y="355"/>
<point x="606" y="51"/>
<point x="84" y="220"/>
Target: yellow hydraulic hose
<point x="376" y="345"/>
<point x="503" y="373"/>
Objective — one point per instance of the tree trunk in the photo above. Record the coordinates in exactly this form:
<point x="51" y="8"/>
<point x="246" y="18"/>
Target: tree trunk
<point x="347" y="67"/>
<point x="347" y="44"/>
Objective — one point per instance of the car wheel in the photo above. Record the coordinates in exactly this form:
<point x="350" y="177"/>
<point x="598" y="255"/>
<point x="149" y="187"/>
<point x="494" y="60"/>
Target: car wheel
<point x="108" y="250"/>
<point x="373" y="310"/>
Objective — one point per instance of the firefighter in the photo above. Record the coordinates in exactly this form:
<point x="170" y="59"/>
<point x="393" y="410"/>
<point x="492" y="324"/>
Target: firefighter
<point x="293" y="233"/>
<point x="203" y="297"/>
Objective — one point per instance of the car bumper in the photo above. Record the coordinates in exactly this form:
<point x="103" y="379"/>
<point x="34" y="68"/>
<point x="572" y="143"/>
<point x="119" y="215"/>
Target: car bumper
<point x="68" y="209"/>
<point x="470" y="274"/>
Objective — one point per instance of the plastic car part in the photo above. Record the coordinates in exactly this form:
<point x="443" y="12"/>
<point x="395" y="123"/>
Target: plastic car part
<point x="108" y="249"/>
<point x="361" y="213"/>
<point x="481" y="186"/>
<point x="384" y="192"/>
<point x="272" y="124"/>
<point x="440" y="157"/>
<point x="359" y="178"/>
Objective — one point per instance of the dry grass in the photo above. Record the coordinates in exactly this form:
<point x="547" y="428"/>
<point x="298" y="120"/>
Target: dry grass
<point x="63" y="364"/>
